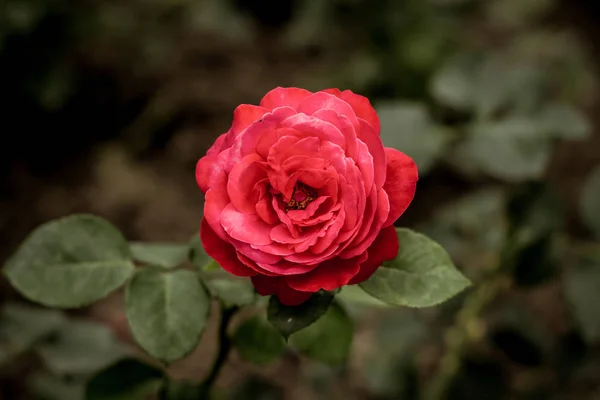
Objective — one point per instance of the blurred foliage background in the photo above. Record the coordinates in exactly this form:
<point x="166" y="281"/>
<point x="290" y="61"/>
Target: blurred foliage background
<point x="107" y="105"/>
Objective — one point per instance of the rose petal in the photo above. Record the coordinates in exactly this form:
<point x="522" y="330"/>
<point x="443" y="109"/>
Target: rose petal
<point x="261" y="129"/>
<point x="344" y="125"/>
<point x="312" y="126"/>
<point x="264" y="208"/>
<point x="287" y="268"/>
<point x="276" y="286"/>
<point x="254" y="254"/>
<point x="368" y="135"/>
<point x="363" y="108"/>
<point x="384" y="248"/>
<point x="367" y="236"/>
<point x="325" y="101"/>
<point x="247" y="228"/>
<point x="223" y="252"/>
<point x="244" y="115"/>
<point x="214" y="204"/>
<point x="400" y="184"/>
<point x="242" y="180"/>
<point x="281" y="96"/>
<point x="328" y="275"/>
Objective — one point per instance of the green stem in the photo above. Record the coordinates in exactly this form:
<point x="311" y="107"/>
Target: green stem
<point x="225" y="346"/>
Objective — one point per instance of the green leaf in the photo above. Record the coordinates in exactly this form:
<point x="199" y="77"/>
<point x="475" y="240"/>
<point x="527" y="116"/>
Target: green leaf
<point x="232" y="291"/>
<point x="81" y="347"/>
<point x="514" y="149"/>
<point x="565" y="122"/>
<point x="198" y="256"/>
<point x="22" y="326"/>
<point x="128" y="379"/>
<point x="453" y="84"/>
<point x="590" y="202"/>
<point x="408" y="128"/>
<point x="581" y="287"/>
<point x="421" y="275"/>
<point x="493" y="89"/>
<point x="290" y="319"/>
<point x="258" y="341"/>
<point x="159" y="254"/>
<point x="327" y="340"/>
<point x="353" y="294"/>
<point x="167" y="312"/>
<point x="70" y="262"/>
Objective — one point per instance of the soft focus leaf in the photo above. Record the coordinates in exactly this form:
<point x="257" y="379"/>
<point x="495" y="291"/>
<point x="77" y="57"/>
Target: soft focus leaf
<point x="327" y="340"/>
<point x="22" y="326"/>
<point x="219" y="18"/>
<point x="128" y="379"/>
<point x="49" y="387"/>
<point x="389" y="364"/>
<point x="159" y="254"/>
<point x="184" y="390"/>
<point x="535" y="212"/>
<point x="256" y="388"/>
<point x="590" y="201"/>
<point x="581" y="288"/>
<point x="198" y="256"/>
<point x="167" y="312"/>
<point x="493" y="88"/>
<point x="515" y="149"/>
<point x="453" y="84"/>
<point x="566" y="122"/>
<point x="408" y="128"/>
<point x="81" y="347"/>
<point x="258" y="341"/>
<point x="232" y="291"/>
<point x="511" y="14"/>
<point x="288" y="319"/>
<point x="70" y="262"/>
<point x="421" y="275"/>
<point x="471" y="226"/>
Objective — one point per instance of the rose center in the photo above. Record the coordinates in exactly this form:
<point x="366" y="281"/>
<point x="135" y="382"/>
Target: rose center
<point x="303" y="195"/>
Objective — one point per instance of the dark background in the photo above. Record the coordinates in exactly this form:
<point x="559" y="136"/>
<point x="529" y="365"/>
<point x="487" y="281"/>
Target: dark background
<point x="105" y="107"/>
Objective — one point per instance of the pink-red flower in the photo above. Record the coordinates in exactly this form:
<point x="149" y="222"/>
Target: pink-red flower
<point x="301" y="195"/>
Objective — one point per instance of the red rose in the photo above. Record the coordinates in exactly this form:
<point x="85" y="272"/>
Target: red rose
<point x="301" y="195"/>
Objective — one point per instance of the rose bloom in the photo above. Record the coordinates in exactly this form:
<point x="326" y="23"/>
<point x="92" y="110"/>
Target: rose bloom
<point x="301" y="195"/>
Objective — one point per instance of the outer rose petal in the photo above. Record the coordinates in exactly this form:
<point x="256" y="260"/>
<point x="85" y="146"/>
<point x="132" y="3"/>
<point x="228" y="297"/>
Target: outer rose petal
<point x="329" y="275"/>
<point x="222" y="252"/>
<point x="361" y="105"/>
<point x="244" y="115"/>
<point x="363" y="108"/>
<point x="267" y="285"/>
<point x="325" y="101"/>
<point x="400" y="183"/>
<point x="384" y="248"/>
<point x="280" y="96"/>
<point x="203" y="168"/>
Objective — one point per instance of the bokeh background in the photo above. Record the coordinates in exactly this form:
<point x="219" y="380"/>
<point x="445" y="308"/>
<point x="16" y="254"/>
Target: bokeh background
<point x="106" y="106"/>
